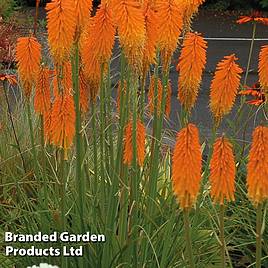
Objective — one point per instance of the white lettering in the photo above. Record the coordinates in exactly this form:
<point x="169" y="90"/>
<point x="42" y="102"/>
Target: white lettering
<point x="8" y="237"/>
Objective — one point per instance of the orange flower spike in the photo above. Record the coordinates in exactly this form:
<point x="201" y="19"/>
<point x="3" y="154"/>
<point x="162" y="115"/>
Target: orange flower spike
<point x="129" y="18"/>
<point x="191" y="66"/>
<point x="61" y="25"/>
<point x="191" y="8"/>
<point x="222" y="171"/>
<point x="42" y="98"/>
<point x="97" y="45"/>
<point x="152" y="32"/>
<point x="256" y="16"/>
<point x="257" y="178"/>
<point x="170" y="16"/>
<point x="186" y="166"/>
<point x="28" y="56"/>
<point x="83" y="10"/>
<point x="12" y="79"/>
<point x="263" y="68"/>
<point x="224" y="87"/>
<point x="62" y="125"/>
<point x="140" y="139"/>
<point x="103" y="33"/>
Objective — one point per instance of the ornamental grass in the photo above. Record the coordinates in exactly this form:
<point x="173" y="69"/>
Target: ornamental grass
<point x="87" y="146"/>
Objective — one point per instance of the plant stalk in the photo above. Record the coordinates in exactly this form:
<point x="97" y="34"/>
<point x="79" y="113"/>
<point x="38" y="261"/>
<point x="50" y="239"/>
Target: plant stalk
<point x="188" y="240"/>
<point x="13" y="126"/>
<point x="222" y="239"/>
<point x="259" y="236"/>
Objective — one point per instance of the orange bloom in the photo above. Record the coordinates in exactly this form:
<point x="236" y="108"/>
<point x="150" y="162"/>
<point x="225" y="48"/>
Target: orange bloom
<point x="191" y="8"/>
<point x="257" y="179"/>
<point x="152" y="32"/>
<point x="103" y="30"/>
<point x="170" y="13"/>
<point x="12" y="79"/>
<point x="159" y="96"/>
<point x="222" y="171"/>
<point x="28" y="55"/>
<point x="83" y="9"/>
<point x="257" y="92"/>
<point x="92" y="71"/>
<point x="186" y="166"/>
<point x="224" y="87"/>
<point x="97" y="46"/>
<point x="42" y="98"/>
<point x="140" y="139"/>
<point x="256" y="16"/>
<point x="62" y="126"/>
<point x="61" y="24"/>
<point x="263" y="68"/>
<point x="129" y="18"/>
<point x="191" y="65"/>
<point x="99" y="39"/>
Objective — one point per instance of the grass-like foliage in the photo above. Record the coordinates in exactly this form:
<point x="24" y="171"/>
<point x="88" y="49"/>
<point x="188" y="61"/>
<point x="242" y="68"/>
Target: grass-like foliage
<point x="73" y="158"/>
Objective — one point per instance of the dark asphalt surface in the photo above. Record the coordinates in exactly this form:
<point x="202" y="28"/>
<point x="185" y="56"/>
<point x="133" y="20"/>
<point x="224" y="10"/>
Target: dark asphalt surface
<point x="211" y="25"/>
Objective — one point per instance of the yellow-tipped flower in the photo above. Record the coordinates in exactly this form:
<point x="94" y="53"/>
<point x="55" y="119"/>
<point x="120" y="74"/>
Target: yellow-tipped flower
<point x="83" y="9"/>
<point x="169" y="13"/>
<point x="152" y="32"/>
<point x="257" y="178"/>
<point x="129" y="18"/>
<point x="191" y="66"/>
<point x="224" y="87"/>
<point x="28" y="56"/>
<point x="62" y="125"/>
<point x="186" y="166"/>
<point x="96" y="47"/>
<point x="42" y="98"/>
<point x="61" y="25"/>
<point x="222" y="171"/>
<point x="191" y="8"/>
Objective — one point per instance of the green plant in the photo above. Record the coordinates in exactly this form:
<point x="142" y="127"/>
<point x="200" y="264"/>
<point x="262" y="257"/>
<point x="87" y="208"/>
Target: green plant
<point x="264" y="3"/>
<point x="6" y="8"/>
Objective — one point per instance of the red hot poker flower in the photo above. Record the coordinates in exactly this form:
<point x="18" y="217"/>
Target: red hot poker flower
<point x="255" y="91"/>
<point x="256" y="16"/>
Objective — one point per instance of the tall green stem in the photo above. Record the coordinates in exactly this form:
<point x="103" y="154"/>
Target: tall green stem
<point x="250" y="51"/>
<point x="32" y="137"/>
<point x="188" y="240"/>
<point x="13" y="126"/>
<point x="222" y="240"/>
<point x="259" y="236"/>
<point x="135" y="177"/>
<point x="79" y="176"/>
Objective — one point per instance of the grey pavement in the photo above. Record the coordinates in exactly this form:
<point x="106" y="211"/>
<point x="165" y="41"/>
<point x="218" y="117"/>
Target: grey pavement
<point x="211" y="25"/>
